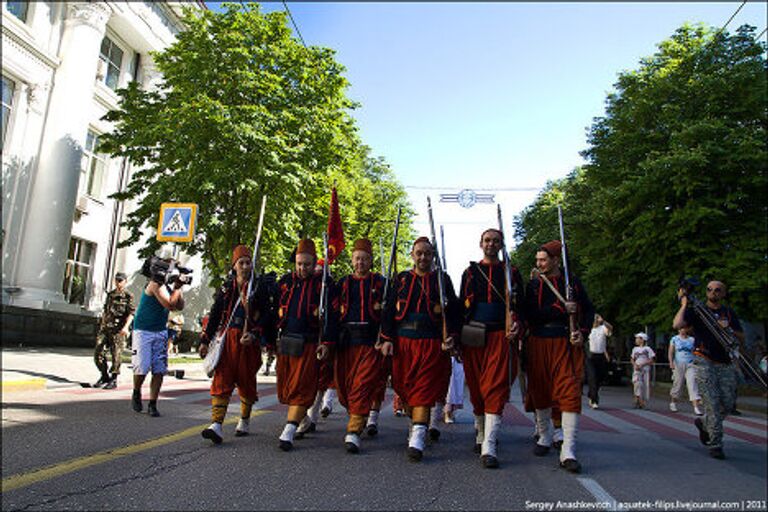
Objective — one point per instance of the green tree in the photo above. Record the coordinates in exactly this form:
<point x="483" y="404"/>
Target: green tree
<point x="675" y="182"/>
<point x="243" y="110"/>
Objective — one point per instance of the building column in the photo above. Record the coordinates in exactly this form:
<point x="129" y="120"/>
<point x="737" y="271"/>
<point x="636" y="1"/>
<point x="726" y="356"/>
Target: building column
<point x="51" y="209"/>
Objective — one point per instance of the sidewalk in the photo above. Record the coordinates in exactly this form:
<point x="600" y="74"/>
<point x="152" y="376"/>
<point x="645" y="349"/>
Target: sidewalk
<point x="37" y="368"/>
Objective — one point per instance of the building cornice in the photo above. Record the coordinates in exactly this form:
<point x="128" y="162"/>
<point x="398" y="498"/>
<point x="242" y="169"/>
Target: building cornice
<point x="29" y="46"/>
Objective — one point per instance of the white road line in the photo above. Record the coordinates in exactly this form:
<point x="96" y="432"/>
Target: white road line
<point x="600" y="494"/>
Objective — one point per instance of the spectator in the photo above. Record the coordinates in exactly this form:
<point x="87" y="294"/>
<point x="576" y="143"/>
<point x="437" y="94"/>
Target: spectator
<point x="113" y="331"/>
<point x="681" y="363"/>
<point x="598" y="358"/>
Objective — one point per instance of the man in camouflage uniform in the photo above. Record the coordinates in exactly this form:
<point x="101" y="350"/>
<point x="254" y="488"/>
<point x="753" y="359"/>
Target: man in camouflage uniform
<point x="115" y="321"/>
<point x="715" y="365"/>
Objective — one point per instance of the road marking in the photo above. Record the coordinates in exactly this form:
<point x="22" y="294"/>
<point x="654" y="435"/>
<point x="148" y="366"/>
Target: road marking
<point x="600" y="494"/>
<point x="39" y="475"/>
<point x="23" y="385"/>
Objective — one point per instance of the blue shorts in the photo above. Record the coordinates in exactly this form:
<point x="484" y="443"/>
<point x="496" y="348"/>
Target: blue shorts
<point x="150" y="352"/>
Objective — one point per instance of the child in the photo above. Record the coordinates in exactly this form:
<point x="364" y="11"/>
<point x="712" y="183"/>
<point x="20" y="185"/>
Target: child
<point x="642" y="359"/>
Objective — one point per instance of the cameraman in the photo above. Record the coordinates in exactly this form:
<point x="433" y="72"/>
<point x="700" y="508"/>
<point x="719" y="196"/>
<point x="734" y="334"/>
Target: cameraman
<point x="150" y="334"/>
<point x="715" y="368"/>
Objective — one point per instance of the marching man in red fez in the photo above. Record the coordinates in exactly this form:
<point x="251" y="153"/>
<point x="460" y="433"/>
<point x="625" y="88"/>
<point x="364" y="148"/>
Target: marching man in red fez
<point x="555" y="355"/>
<point x="412" y="334"/>
<point x="241" y="353"/>
<point x="358" y="365"/>
<point x="300" y="347"/>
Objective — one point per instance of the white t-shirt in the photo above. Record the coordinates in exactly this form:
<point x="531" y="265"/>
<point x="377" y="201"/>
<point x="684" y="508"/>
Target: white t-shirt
<point x="598" y="339"/>
<point x="642" y="355"/>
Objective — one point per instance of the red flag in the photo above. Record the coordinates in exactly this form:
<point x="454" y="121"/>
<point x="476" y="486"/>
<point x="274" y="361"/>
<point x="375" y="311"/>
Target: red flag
<point x="335" y="231"/>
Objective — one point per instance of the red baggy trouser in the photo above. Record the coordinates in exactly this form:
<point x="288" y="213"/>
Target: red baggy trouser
<point x="358" y="372"/>
<point x="325" y="377"/>
<point x="297" y="377"/>
<point x="421" y="371"/>
<point x="488" y="374"/>
<point x="380" y="389"/>
<point x="555" y="373"/>
<point x="237" y="367"/>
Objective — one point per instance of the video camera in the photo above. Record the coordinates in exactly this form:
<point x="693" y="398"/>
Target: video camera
<point x="166" y="271"/>
<point x="687" y="284"/>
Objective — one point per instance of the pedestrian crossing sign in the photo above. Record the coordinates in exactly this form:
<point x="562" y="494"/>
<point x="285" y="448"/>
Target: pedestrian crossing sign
<point x="177" y="222"/>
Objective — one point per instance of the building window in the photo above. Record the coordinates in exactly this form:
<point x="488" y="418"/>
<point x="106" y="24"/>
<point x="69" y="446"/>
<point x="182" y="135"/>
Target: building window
<point x="18" y="9"/>
<point x="111" y="57"/>
<point x="9" y="87"/>
<point x="77" y="274"/>
<point x="93" y="168"/>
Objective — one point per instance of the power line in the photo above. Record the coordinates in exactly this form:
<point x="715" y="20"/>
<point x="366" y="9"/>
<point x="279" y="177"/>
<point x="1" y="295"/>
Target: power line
<point x="761" y="34"/>
<point x="295" y="26"/>
<point x="731" y="18"/>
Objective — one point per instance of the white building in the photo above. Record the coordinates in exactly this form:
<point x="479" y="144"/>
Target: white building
<point x="61" y="65"/>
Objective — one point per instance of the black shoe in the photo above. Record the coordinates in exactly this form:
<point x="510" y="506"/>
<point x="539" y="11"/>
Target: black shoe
<point x="372" y="430"/>
<point x="536" y="437"/>
<point x="179" y="374"/>
<point x="703" y="434"/>
<point x="352" y="448"/>
<point x="434" y="434"/>
<point x="102" y="380"/>
<point x="286" y="446"/>
<point x="735" y="412"/>
<point x="489" y="461"/>
<point x="209" y="433"/>
<point x="571" y="465"/>
<point x="716" y="453"/>
<point x="414" y="455"/>
<point x="112" y="384"/>
<point x="152" y="410"/>
<point x="136" y="402"/>
<point x="557" y="445"/>
<point x="300" y="434"/>
<point x="324" y="412"/>
<point x="265" y="373"/>
<point x="312" y="427"/>
<point x="540" y="450"/>
<point x="478" y="447"/>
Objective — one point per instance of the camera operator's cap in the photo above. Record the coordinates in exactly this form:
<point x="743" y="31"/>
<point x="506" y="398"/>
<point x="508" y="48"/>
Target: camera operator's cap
<point x="120" y="276"/>
<point x="553" y="248"/>
<point x="306" y="246"/>
<point x="240" y="251"/>
<point x="642" y="335"/>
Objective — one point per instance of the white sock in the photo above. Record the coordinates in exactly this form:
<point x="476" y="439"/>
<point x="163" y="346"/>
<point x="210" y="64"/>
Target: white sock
<point x="352" y="438"/>
<point x="314" y="411"/>
<point x="479" y="429"/>
<point x="570" y="426"/>
<point x="435" y="414"/>
<point x="373" y="418"/>
<point x="544" y="425"/>
<point x="492" y="424"/>
<point x="328" y="398"/>
<point x="288" y="432"/>
<point x="418" y="437"/>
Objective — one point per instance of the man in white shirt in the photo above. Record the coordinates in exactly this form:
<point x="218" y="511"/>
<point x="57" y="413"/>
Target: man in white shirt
<point x="598" y="358"/>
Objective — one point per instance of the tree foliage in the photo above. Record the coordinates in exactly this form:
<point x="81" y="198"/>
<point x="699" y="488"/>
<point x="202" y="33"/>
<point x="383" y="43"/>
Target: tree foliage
<point x="244" y="110"/>
<point x="675" y="182"/>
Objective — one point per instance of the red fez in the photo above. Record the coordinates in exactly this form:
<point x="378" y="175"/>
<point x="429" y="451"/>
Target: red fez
<point x="240" y="251"/>
<point x="306" y="246"/>
<point x="421" y="239"/>
<point x="553" y="248"/>
<point x="363" y="244"/>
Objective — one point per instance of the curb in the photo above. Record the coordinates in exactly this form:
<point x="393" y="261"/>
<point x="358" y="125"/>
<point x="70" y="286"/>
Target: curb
<point x="23" y="385"/>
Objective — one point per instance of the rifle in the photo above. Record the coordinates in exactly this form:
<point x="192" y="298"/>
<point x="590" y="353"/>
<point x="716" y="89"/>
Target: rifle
<point x="323" y="306"/>
<point x="442" y="246"/>
<point x="510" y="297"/>
<point x="439" y="269"/>
<point x="390" y="267"/>
<point x="573" y="320"/>
<point x="256" y="250"/>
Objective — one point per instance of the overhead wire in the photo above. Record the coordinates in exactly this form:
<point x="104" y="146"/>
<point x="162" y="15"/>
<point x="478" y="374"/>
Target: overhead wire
<point x="295" y="26"/>
<point x="730" y="19"/>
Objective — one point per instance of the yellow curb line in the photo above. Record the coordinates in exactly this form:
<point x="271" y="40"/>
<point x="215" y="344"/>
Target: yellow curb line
<point x="38" y="475"/>
<point x="23" y="385"/>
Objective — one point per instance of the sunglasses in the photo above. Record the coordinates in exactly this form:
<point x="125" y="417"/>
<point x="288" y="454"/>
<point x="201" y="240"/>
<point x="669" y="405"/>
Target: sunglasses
<point x="714" y="289"/>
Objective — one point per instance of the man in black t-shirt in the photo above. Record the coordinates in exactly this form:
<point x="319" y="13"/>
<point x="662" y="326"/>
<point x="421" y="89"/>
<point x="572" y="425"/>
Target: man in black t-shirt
<point x="715" y="366"/>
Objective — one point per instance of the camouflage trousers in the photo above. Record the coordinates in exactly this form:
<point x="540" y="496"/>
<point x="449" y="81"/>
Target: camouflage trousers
<point x="717" y="387"/>
<point x="108" y="344"/>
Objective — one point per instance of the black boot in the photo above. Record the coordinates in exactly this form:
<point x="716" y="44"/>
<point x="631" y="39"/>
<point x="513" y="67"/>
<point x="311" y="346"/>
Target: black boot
<point x="136" y="401"/>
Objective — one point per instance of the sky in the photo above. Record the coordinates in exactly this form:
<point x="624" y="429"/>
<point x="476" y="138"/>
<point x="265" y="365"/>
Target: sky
<point x="492" y="95"/>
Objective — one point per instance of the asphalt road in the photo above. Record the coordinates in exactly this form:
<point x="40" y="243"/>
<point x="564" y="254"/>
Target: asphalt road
<point x="85" y="449"/>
